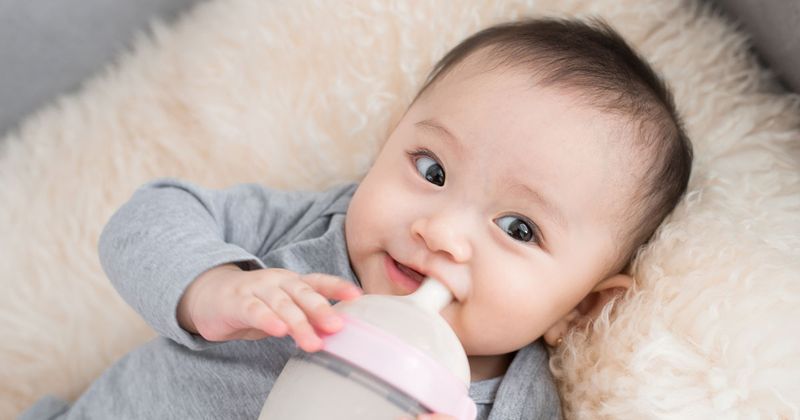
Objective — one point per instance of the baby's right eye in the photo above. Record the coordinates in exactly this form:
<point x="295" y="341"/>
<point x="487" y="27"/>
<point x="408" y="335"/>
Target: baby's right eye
<point x="519" y="228"/>
<point x="429" y="168"/>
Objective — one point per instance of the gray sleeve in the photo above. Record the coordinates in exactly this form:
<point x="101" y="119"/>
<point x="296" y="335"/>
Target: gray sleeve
<point x="171" y="231"/>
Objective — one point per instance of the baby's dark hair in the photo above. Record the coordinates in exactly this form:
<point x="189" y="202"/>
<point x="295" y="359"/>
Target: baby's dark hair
<point x="591" y="59"/>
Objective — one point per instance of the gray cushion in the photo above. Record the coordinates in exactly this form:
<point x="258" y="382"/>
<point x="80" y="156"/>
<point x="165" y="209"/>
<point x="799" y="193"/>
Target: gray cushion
<point x="774" y="28"/>
<point x="48" y="47"/>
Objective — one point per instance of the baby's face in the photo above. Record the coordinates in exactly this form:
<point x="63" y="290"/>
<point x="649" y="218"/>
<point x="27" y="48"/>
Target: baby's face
<point x="506" y="193"/>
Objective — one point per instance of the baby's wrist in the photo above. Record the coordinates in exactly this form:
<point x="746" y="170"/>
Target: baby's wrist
<point x="185" y="321"/>
<point x="186" y="303"/>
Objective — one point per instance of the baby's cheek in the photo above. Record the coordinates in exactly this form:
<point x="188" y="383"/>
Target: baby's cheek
<point x="493" y="330"/>
<point x="473" y="327"/>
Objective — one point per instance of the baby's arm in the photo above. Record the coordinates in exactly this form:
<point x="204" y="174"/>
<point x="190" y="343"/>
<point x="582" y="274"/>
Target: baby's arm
<point x="170" y="232"/>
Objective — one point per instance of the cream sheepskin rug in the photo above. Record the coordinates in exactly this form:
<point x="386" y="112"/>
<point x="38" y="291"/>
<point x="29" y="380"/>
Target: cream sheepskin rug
<point x="300" y="95"/>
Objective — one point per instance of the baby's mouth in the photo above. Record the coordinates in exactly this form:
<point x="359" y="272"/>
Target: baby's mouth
<point x="413" y="274"/>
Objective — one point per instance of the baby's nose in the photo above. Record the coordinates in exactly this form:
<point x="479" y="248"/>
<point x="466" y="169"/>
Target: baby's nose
<point x="443" y="234"/>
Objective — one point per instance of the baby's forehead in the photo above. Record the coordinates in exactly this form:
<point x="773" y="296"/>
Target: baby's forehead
<point x="481" y="73"/>
<point x="573" y="123"/>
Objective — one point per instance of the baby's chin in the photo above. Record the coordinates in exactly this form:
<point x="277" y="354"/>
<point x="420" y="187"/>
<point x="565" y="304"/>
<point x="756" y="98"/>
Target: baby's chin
<point x="477" y="343"/>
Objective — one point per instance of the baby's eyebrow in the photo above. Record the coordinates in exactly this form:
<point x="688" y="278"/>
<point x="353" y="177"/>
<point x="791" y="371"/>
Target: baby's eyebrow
<point x="442" y="132"/>
<point x="551" y="210"/>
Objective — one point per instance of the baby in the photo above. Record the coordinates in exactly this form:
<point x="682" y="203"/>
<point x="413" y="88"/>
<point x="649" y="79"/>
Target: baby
<point x="533" y="163"/>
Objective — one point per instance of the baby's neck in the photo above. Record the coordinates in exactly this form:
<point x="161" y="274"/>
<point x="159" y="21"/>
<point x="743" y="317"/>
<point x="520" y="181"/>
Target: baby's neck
<point x="485" y="367"/>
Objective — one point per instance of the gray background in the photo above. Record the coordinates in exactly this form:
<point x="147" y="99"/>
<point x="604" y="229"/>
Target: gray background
<point x="48" y="47"/>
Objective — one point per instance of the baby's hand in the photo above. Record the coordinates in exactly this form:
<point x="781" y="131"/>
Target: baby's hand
<point x="227" y="303"/>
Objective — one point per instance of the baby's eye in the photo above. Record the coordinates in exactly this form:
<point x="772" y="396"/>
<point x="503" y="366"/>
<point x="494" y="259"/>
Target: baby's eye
<point x="430" y="169"/>
<point x="518" y="228"/>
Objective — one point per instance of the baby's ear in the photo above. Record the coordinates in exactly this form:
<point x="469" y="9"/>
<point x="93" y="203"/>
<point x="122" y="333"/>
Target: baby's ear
<point x="590" y="307"/>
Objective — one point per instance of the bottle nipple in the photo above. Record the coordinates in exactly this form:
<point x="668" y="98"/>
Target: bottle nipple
<point x="431" y="296"/>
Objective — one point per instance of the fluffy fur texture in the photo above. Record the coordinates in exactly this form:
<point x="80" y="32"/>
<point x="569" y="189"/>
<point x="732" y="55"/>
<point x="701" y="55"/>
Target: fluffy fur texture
<point x="300" y="95"/>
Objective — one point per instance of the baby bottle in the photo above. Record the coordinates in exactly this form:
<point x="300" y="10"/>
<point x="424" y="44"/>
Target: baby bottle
<point x="395" y="357"/>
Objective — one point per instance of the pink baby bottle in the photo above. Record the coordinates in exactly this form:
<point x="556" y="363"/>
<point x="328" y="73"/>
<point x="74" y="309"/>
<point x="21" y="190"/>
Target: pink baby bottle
<point x="395" y="357"/>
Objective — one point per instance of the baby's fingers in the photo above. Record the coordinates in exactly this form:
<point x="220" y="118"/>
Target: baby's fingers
<point x="435" y="417"/>
<point x="315" y="306"/>
<point x="332" y="287"/>
<point x="289" y="312"/>
<point x="257" y="315"/>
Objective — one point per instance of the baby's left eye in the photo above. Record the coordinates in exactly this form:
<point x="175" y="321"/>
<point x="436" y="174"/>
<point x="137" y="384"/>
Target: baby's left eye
<point x="518" y="228"/>
<point x="430" y="169"/>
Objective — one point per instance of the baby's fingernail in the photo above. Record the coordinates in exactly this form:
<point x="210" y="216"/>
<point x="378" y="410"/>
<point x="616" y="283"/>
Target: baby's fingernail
<point x="313" y="344"/>
<point x="333" y="321"/>
<point x="352" y="288"/>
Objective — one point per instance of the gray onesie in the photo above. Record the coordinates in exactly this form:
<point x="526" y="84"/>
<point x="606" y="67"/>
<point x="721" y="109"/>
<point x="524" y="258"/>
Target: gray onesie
<point x="170" y="232"/>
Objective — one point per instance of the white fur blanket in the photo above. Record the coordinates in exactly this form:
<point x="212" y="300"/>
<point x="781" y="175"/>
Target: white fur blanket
<point x="299" y="95"/>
